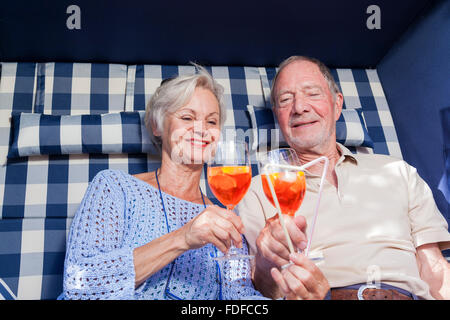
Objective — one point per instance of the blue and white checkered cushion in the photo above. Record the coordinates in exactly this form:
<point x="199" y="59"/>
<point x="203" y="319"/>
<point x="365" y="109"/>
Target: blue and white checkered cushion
<point x="39" y="195"/>
<point x="5" y="292"/>
<point x="110" y="133"/>
<point x="351" y="130"/>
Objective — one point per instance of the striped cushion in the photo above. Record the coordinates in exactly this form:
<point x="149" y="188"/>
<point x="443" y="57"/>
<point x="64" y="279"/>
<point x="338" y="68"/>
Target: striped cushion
<point x="5" y="292"/>
<point x="41" y="134"/>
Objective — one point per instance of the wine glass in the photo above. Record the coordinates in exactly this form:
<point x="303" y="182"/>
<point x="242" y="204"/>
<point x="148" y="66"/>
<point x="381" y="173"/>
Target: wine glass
<point x="289" y="184"/>
<point x="229" y="177"/>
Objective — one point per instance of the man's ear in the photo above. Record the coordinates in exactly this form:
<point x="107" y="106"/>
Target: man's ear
<point x="339" y="101"/>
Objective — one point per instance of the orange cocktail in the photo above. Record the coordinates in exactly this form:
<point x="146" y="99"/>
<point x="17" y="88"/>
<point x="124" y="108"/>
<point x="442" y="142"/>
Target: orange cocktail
<point x="290" y="188"/>
<point x="229" y="183"/>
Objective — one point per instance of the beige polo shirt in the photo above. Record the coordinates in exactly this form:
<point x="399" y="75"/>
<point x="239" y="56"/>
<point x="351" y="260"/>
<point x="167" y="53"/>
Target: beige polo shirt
<point x="369" y="226"/>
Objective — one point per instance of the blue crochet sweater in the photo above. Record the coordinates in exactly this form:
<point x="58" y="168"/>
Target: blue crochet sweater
<point x="119" y="213"/>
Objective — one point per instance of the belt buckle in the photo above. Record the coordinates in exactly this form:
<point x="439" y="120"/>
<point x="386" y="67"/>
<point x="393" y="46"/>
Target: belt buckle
<point x="364" y="287"/>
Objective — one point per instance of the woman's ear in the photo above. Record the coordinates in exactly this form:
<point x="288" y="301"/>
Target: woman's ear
<point x="155" y="130"/>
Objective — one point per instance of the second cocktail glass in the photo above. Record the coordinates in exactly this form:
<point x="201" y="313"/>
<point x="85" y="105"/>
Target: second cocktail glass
<point x="284" y="184"/>
<point x="289" y="184"/>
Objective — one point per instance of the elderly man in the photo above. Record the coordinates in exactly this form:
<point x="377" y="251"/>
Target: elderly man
<point x="377" y="223"/>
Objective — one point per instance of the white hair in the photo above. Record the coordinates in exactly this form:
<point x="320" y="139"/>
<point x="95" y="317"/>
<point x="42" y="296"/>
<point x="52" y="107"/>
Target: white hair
<point x="174" y="93"/>
<point x="326" y="73"/>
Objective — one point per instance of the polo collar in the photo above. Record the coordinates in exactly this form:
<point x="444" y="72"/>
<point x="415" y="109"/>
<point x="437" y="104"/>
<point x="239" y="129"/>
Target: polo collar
<point x="346" y="154"/>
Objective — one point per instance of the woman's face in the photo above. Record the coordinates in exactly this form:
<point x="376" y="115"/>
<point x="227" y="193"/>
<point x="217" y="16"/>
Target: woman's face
<point x="190" y="132"/>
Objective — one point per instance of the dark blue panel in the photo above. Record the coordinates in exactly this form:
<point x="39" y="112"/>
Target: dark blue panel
<point x="415" y="78"/>
<point x="233" y="32"/>
<point x="91" y="134"/>
<point x="137" y="163"/>
<point x="238" y="87"/>
<point x="97" y="163"/>
<point x="444" y="184"/>
<point x="16" y="174"/>
<point x="58" y="172"/>
<point x="61" y="103"/>
<point x="26" y="70"/>
<point x="14" y="194"/>
<point x="24" y="87"/>
<point x="49" y="137"/>
<point x="139" y="89"/>
<point x="131" y="132"/>
<point x="99" y="88"/>
<point x="57" y="186"/>
<point x="99" y="103"/>
<point x="52" y="286"/>
<point x="56" y="210"/>
<point x="63" y="70"/>
<point x="10" y="242"/>
<point x="169" y="72"/>
<point x="99" y="70"/>
<point x="10" y="225"/>
<point x="10" y="265"/>
<point x="53" y="263"/>
<point x="360" y="75"/>
<point x="40" y="89"/>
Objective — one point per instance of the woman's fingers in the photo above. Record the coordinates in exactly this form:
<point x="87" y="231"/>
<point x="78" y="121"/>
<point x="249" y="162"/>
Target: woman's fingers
<point x="217" y="226"/>
<point x="227" y="231"/>
<point x="231" y="217"/>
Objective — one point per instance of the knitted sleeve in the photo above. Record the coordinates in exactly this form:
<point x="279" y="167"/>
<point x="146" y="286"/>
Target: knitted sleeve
<point x="237" y="283"/>
<point x="99" y="264"/>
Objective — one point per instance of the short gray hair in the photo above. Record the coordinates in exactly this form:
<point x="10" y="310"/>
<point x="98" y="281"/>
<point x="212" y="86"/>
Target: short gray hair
<point x="174" y="93"/>
<point x="332" y="85"/>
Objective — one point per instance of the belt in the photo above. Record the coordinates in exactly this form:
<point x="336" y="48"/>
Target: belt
<point x="367" y="292"/>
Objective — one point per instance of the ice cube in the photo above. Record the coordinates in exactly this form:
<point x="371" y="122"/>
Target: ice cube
<point x="288" y="176"/>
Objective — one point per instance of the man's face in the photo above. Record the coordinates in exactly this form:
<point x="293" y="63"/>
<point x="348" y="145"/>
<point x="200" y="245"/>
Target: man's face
<point x="305" y="108"/>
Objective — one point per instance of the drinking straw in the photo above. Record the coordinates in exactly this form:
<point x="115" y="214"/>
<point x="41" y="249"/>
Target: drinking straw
<point x="277" y="205"/>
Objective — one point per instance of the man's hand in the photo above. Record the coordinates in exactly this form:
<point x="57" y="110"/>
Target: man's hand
<point x="272" y="244"/>
<point x="273" y="250"/>
<point x="434" y="270"/>
<point x="302" y="280"/>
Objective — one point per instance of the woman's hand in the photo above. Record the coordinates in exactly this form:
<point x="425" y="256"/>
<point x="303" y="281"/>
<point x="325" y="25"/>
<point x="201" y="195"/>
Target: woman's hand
<point x="214" y="225"/>
<point x="302" y="280"/>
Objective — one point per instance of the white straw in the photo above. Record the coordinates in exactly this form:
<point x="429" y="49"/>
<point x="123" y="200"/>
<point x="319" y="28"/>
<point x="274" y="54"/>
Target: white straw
<point x="322" y="180"/>
<point x="277" y="205"/>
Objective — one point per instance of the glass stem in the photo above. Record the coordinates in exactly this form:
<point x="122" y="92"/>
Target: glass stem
<point x="232" y="249"/>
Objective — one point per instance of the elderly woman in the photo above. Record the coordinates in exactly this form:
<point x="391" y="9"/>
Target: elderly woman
<point x="153" y="235"/>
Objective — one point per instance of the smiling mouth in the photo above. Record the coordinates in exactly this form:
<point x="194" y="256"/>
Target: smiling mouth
<point x="303" y="124"/>
<point x="199" y="143"/>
